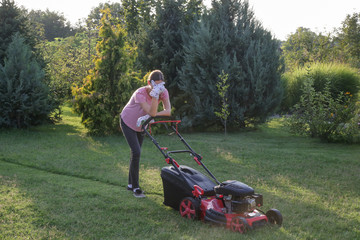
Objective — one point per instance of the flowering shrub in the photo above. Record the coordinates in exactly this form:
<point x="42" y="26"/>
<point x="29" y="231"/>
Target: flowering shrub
<point x="318" y="114"/>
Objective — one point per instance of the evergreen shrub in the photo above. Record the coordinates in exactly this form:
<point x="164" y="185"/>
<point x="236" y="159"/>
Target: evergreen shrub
<point x="24" y="99"/>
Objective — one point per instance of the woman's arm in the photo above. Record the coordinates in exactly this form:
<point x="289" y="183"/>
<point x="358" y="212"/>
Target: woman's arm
<point x="152" y="109"/>
<point x="167" y="108"/>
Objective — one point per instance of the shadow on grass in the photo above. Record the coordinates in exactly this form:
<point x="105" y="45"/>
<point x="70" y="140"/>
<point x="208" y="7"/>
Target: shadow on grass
<point x="67" y="207"/>
<point x="66" y="149"/>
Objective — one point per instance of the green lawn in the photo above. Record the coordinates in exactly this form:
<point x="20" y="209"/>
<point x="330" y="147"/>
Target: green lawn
<point x="58" y="183"/>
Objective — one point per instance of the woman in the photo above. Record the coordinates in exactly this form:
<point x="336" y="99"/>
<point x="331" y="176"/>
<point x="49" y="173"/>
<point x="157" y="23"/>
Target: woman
<point x="142" y="104"/>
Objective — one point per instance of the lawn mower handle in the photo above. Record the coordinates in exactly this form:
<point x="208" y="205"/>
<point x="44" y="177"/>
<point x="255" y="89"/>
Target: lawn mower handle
<point x="196" y="156"/>
<point x="143" y="126"/>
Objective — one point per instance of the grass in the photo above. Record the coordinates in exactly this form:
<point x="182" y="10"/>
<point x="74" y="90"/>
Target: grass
<point x="58" y="183"/>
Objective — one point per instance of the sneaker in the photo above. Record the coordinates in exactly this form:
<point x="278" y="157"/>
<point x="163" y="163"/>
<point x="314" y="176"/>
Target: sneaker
<point x="129" y="188"/>
<point x="138" y="193"/>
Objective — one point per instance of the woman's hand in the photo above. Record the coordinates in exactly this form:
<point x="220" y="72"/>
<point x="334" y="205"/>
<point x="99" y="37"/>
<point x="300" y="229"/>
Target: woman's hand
<point x="157" y="89"/>
<point x="142" y="119"/>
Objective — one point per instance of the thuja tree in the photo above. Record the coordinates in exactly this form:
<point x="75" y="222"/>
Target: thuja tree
<point x="110" y="83"/>
<point x="229" y="38"/>
<point x="24" y="98"/>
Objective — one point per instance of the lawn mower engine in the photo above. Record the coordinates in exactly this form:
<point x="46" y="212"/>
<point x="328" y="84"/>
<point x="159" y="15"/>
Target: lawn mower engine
<point x="238" y="197"/>
<point x="235" y="206"/>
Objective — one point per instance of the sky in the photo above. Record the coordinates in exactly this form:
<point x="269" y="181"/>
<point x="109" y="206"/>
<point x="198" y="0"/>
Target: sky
<point x="281" y="17"/>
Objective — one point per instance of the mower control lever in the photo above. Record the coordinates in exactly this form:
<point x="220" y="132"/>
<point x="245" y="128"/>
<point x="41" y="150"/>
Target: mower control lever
<point x="198" y="191"/>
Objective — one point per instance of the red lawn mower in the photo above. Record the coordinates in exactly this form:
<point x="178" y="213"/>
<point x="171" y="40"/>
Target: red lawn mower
<point x="231" y="203"/>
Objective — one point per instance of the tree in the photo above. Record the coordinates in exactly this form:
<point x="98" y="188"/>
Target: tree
<point x="305" y="46"/>
<point x="137" y="15"/>
<point x="222" y="87"/>
<point x="54" y="24"/>
<point x="110" y="83"/>
<point x="68" y="62"/>
<point x="229" y="38"/>
<point x="24" y="98"/>
<point x="349" y="38"/>
<point x="11" y="22"/>
<point x="94" y="18"/>
<point x="161" y="46"/>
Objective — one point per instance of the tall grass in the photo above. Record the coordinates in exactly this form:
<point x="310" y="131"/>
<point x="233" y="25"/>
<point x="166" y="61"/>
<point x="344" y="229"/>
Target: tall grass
<point x="341" y="77"/>
<point x="58" y="183"/>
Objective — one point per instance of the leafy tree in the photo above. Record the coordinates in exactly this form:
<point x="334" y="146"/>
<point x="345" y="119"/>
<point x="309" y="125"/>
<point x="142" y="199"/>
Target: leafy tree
<point x="94" y="18"/>
<point x="110" y="83"/>
<point x="24" y="98"/>
<point x="222" y="87"/>
<point x="68" y="62"/>
<point x="349" y="38"/>
<point x="229" y="38"/>
<point x="54" y="24"/>
<point x="305" y="46"/>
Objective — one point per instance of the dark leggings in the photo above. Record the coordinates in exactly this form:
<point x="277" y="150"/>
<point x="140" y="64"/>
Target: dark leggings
<point x="135" y="140"/>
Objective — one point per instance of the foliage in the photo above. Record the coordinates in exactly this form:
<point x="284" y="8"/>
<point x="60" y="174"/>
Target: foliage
<point x="54" y="24"/>
<point x="341" y="78"/>
<point x="304" y="47"/>
<point x="161" y="41"/>
<point x="24" y="98"/>
<point x="349" y="38"/>
<point x="94" y="17"/>
<point x="11" y="22"/>
<point x="68" y="61"/>
<point x="110" y="83"/>
<point x="319" y="114"/>
<point x="138" y="14"/>
<point x="229" y="38"/>
<point x="222" y="87"/>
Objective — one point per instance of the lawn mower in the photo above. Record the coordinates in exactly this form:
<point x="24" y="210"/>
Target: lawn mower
<point x="231" y="203"/>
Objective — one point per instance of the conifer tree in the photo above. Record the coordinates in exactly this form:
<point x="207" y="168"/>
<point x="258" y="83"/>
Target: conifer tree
<point x="110" y="83"/>
<point x="24" y="98"/>
<point x="162" y="45"/>
<point x="11" y="22"/>
<point x="229" y="38"/>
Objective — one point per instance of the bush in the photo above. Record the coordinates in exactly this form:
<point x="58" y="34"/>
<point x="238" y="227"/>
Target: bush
<point x="319" y="114"/>
<point x="341" y="78"/>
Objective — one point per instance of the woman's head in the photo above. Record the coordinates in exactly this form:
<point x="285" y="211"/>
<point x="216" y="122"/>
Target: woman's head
<point x="156" y="75"/>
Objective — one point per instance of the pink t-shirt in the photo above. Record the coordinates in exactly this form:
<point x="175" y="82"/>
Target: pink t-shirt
<point x="133" y="110"/>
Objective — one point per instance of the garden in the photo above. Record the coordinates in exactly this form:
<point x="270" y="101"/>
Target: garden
<point x="59" y="183"/>
<point x="281" y="116"/>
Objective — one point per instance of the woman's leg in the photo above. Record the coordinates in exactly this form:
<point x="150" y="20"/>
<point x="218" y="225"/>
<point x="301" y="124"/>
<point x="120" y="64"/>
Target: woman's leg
<point x="134" y="140"/>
